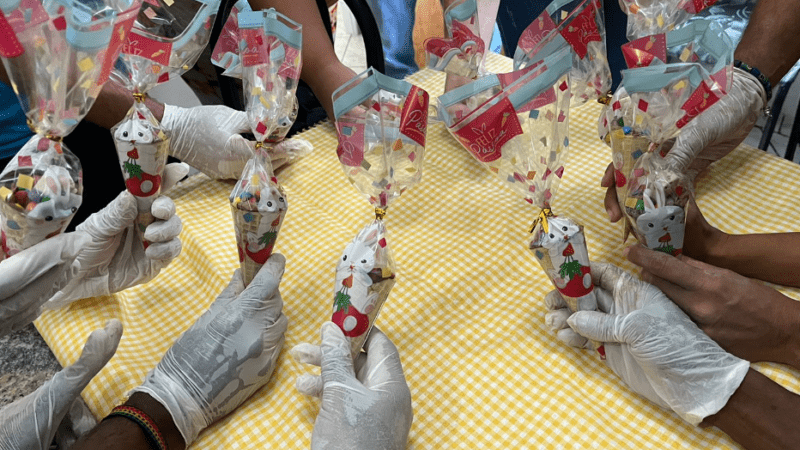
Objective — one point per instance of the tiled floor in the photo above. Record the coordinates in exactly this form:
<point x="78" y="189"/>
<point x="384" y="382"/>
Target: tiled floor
<point x="349" y="48"/>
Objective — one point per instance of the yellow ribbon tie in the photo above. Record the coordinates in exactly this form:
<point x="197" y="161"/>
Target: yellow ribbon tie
<point x="139" y="97"/>
<point x="606" y="99"/>
<point x="379" y="213"/>
<point x="542" y="218"/>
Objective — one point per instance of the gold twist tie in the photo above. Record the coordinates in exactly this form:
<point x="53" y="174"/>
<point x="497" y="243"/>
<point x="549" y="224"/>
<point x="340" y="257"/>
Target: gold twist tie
<point x="606" y="99"/>
<point x="259" y="145"/>
<point x="53" y="138"/>
<point x="139" y="97"/>
<point x="542" y="218"/>
<point x="379" y="213"/>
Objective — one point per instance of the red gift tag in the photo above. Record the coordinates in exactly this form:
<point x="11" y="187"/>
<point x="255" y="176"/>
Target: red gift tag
<point x="485" y="136"/>
<point x="255" y="51"/>
<point x="138" y="45"/>
<point x="124" y="23"/>
<point x="9" y="44"/>
<point x="351" y="143"/>
<point x="582" y="30"/>
<point x="642" y="52"/>
<point x="536" y="32"/>
<point x="414" y="118"/>
<point x="701" y="99"/>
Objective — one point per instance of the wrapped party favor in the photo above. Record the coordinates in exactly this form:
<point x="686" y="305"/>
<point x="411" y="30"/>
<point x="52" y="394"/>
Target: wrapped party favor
<point x="165" y="41"/>
<point x="521" y="135"/>
<point x="381" y="123"/>
<point x="227" y="55"/>
<point x="647" y="17"/>
<point x="57" y="55"/>
<point x="269" y="73"/>
<point x="579" y="25"/>
<point x="674" y="77"/>
<point x="462" y="51"/>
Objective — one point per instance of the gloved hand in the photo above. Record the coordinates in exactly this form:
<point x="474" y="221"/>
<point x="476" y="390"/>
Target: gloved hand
<point x="364" y="406"/>
<point x="717" y="131"/>
<point x="31" y="422"/>
<point x="656" y="349"/>
<point x="30" y="278"/>
<point x="227" y="355"/>
<point x="207" y="138"/>
<point x="115" y="259"/>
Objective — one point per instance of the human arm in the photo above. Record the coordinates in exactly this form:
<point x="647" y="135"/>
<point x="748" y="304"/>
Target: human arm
<point x="747" y="318"/>
<point x="366" y="405"/>
<point x="322" y="70"/>
<point x="31" y="422"/>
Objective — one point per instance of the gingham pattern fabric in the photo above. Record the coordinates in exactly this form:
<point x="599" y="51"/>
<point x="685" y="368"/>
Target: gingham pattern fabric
<point x="466" y="312"/>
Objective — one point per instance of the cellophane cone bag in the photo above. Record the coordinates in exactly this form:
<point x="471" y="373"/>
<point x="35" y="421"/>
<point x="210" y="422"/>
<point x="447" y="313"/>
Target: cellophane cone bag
<point x="648" y="17"/>
<point x="673" y="78"/>
<point x="462" y="51"/>
<point x="579" y="25"/>
<point x="165" y="41"/>
<point x="288" y="35"/>
<point x="269" y="71"/>
<point x="382" y="124"/>
<point x="57" y="55"/>
<point x="521" y="135"/>
<point x="258" y="205"/>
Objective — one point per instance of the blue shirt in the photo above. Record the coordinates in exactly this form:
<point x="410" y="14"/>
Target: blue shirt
<point x="14" y="131"/>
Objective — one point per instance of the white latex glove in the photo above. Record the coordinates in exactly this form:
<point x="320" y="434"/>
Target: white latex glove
<point x="227" y="355"/>
<point x="656" y="348"/>
<point x="207" y="138"/>
<point x="720" y="129"/>
<point x="32" y="276"/>
<point x="115" y="259"/>
<point x="31" y="422"/>
<point x="366" y="406"/>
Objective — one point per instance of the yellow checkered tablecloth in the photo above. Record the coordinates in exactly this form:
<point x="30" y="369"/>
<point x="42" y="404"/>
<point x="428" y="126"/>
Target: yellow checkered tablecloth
<point x="466" y="312"/>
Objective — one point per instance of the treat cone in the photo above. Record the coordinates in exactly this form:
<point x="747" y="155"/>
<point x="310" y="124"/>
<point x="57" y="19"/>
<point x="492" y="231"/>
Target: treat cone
<point x="256" y="234"/>
<point x="40" y="191"/>
<point x="142" y="148"/>
<point x="365" y="276"/>
<point x="626" y="150"/>
<point x="561" y="251"/>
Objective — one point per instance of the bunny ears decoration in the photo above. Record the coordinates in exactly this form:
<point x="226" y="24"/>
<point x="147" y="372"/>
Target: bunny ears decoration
<point x="382" y="126"/>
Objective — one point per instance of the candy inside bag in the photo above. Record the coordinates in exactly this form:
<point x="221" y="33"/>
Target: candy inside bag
<point x="57" y="57"/>
<point x="382" y="124"/>
<point x="258" y="205"/>
<point x="41" y="188"/>
<point x="647" y="17"/>
<point x="578" y="24"/>
<point x="462" y="51"/>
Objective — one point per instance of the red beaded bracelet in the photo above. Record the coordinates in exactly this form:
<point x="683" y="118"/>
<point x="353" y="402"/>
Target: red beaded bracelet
<point x="144" y="421"/>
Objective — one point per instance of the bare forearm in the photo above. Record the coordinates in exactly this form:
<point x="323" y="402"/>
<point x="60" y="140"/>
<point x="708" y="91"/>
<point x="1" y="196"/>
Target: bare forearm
<point x="111" y="433"/>
<point x="114" y="102"/>
<point x="769" y="257"/>
<point x="322" y="70"/>
<point x="770" y="41"/>
<point x="760" y="415"/>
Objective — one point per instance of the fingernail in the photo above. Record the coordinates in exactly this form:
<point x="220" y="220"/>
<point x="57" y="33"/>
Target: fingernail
<point x="608" y="212"/>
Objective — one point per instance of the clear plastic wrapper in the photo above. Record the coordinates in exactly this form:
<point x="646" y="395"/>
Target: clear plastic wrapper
<point x="270" y="67"/>
<point x="579" y="25"/>
<point x="226" y="55"/>
<point x="675" y="77"/>
<point x="381" y="123"/>
<point x="648" y="17"/>
<point x="258" y="205"/>
<point x="461" y="53"/>
<point x="165" y="41"/>
<point x="522" y="135"/>
<point x="57" y="56"/>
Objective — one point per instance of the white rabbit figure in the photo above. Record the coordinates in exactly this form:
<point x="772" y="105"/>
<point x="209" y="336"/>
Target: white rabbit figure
<point x="566" y="246"/>
<point x="353" y="300"/>
<point x="56" y="206"/>
<point x="272" y="200"/>
<point x="661" y="225"/>
<point x="135" y="131"/>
